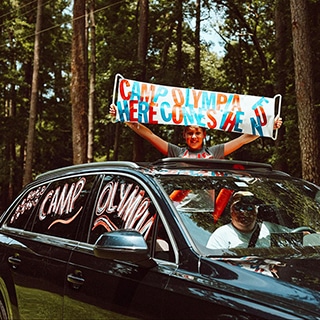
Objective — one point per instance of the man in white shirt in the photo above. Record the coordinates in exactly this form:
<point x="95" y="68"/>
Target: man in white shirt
<point x="244" y="230"/>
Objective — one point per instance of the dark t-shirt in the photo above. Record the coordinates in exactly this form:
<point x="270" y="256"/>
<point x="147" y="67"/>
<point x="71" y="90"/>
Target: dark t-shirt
<point x="213" y="152"/>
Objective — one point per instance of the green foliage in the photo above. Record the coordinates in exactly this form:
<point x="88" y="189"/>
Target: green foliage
<point x="249" y="66"/>
<point x="16" y="50"/>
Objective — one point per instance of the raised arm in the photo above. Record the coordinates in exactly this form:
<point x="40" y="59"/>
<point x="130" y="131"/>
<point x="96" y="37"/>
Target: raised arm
<point x="144" y="132"/>
<point x="237" y="143"/>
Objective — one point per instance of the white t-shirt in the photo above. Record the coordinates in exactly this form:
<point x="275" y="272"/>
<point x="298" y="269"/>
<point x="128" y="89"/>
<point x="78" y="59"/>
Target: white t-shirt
<point x="228" y="236"/>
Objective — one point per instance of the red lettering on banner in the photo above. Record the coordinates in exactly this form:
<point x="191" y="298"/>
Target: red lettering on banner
<point x="221" y="100"/>
<point x="178" y="97"/>
<point x="146" y="94"/>
<point x="230" y="121"/>
<point x="177" y="114"/>
<point x="152" y="113"/>
<point x="262" y="115"/>
<point x="211" y="116"/>
<point x="122" y="89"/>
<point x="133" y="107"/>
<point x="196" y="96"/>
<point x="235" y="104"/>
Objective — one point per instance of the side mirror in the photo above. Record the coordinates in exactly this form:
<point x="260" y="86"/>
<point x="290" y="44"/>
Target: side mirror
<point x="124" y="245"/>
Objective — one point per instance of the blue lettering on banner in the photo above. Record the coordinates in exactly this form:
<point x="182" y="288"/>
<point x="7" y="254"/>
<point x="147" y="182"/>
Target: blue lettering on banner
<point x="143" y="110"/>
<point x="256" y="126"/>
<point x="165" y="116"/>
<point x="209" y="100"/>
<point x="123" y="110"/>
<point x="161" y="92"/>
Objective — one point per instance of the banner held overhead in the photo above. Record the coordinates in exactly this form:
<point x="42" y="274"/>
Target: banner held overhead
<point x="158" y="104"/>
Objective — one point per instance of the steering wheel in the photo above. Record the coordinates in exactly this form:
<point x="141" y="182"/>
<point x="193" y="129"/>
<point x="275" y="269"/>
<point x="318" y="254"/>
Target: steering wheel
<point x="303" y="228"/>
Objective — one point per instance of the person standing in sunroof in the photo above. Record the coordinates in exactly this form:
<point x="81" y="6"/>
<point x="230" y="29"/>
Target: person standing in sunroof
<point x="194" y="137"/>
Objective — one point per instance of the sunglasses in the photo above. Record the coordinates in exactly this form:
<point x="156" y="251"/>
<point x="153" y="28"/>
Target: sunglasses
<point x="242" y="207"/>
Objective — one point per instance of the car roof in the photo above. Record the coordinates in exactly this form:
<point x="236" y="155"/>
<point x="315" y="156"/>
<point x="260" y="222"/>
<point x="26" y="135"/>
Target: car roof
<point x="175" y="163"/>
<point x="87" y="167"/>
<point x="163" y="165"/>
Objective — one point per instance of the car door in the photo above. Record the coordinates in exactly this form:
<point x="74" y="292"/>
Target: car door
<point x="101" y="288"/>
<point x="43" y="227"/>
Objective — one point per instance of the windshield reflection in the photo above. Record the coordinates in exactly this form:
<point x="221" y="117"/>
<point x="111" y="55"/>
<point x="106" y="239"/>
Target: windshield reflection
<point x="287" y="211"/>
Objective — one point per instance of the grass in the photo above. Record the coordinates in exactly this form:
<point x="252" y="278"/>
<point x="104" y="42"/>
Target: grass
<point x="37" y="304"/>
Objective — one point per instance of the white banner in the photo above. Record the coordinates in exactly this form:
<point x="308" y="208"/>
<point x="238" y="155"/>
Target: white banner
<point x="157" y="104"/>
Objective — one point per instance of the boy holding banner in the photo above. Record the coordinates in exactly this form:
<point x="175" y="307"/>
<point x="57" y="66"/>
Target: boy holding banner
<point x="194" y="137"/>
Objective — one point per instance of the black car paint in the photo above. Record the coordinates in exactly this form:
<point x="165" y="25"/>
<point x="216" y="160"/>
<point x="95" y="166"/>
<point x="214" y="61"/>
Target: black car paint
<point x="192" y="287"/>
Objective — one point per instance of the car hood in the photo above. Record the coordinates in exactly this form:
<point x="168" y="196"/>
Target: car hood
<point x="291" y="283"/>
<point x="303" y="272"/>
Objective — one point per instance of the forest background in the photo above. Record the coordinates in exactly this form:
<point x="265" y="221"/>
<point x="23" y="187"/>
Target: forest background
<point x="59" y="58"/>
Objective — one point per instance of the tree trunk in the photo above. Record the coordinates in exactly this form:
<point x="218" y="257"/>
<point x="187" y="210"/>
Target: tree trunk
<point x="138" y="153"/>
<point x="79" y="84"/>
<point x="92" y="80"/>
<point x="282" y="42"/>
<point x="197" y="70"/>
<point x="308" y="136"/>
<point x="178" y="62"/>
<point x="143" y="37"/>
<point x="34" y="97"/>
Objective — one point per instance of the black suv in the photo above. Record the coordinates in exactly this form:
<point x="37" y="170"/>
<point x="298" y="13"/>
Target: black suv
<point x="120" y="240"/>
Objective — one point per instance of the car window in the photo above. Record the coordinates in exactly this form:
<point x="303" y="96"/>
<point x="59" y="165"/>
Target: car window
<point x="162" y="246"/>
<point x="24" y="211"/>
<point x="124" y="203"/>
<point x="289" y="208"/>
<point x="54" y="209"/>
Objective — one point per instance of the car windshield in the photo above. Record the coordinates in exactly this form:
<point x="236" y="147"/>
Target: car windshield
<point x="286" y="212"/>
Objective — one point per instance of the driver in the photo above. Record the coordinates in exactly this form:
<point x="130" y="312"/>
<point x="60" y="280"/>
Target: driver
<point x="244" y="230"/>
